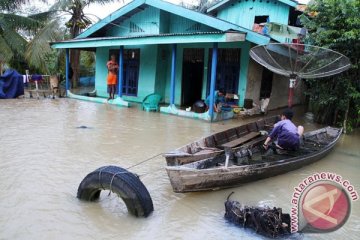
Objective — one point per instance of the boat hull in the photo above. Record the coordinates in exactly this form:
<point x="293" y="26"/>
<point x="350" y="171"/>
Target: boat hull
<point x="187" y="179"/>
<point x="207" y="147"/>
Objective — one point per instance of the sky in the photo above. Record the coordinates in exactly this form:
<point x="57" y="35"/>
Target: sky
<point x="104" y="10"/>
<point x="97" y="11"/>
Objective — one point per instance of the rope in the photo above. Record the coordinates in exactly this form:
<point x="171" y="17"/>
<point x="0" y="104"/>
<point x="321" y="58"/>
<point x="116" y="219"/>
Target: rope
<point x="145" y="174"/>
<point x="112" y="181"/>
<point x="148" y="159"/>
<point x="103" y="168"/>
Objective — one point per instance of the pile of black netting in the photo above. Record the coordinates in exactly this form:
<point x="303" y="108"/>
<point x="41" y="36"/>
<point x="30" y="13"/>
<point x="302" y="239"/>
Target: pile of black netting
<point x="269" y="222"/>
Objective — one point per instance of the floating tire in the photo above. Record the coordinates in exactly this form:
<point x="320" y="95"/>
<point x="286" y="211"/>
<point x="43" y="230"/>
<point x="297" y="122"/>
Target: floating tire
<point x="120" y="181"/>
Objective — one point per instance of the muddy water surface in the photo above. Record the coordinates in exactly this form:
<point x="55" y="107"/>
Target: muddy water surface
<point x="44" y="156"/>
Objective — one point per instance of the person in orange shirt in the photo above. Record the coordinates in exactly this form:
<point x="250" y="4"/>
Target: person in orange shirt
<point x="112" y="67"/>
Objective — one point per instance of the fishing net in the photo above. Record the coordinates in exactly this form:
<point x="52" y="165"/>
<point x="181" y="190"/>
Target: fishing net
<point x="269" y="222"/>
<point x="301" y="60"/>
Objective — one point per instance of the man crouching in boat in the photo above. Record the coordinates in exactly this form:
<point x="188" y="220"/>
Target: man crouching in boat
<point x="287" y="134"/>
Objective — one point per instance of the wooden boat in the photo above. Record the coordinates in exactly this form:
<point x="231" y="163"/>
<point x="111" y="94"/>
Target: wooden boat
<point x="213" y="145"/>
<point x="251" y="163"/>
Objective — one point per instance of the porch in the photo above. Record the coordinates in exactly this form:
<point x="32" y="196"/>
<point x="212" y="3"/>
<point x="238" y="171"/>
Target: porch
<point x="180" y="72"/>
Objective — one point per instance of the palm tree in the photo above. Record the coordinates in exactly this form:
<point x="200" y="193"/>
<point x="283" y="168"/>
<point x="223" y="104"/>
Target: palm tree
<point x="199" y="5"/>
<point x="15" y="30"/>
<point x="40" y="29"/>
<point x="77" y="23"/>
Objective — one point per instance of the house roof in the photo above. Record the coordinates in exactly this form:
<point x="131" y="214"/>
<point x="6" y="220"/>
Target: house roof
<point x="139" y="5"/>
<point x="225" y="3"/>
<point x="171" y="38"/>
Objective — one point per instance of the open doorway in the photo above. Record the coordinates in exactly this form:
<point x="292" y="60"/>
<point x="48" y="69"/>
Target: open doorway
<point x="192" y="75"/>
<point x="266" y="83"/>
<point x="131" y="70"/>
<point x="227" y="70"/>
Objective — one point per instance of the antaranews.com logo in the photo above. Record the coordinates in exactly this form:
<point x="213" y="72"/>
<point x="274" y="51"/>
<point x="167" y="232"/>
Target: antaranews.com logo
<point x="321" y="203"/>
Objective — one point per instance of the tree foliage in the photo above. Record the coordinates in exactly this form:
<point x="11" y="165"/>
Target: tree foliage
<point x="24" y="38"/>
<point x="199" y="5"/>
<point x="335" y="24"/>
<point x="76" y="24"/>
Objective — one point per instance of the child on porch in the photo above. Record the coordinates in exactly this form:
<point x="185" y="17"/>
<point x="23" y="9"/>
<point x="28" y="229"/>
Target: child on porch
<point x="112" y="67"/>
<point x="219" y="100"/>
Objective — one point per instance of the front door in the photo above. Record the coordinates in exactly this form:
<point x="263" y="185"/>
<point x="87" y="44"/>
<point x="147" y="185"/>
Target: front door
<point x="192" y="75"/>
<point x="131" y="70"/>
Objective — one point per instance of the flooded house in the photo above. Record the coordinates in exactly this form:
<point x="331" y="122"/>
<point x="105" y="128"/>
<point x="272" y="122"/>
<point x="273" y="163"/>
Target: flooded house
<point x="184" y="55"/>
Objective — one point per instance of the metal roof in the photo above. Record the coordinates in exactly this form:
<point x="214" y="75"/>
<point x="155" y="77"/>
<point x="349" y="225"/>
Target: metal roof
<point x="169" y="38"/>
<point x="135" y="6"/>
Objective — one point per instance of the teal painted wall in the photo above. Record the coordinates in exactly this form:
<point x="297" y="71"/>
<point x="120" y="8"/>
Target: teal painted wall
<point x="144" y="22"/>
<point x="243" y="12"/>
<point x="155" y="70"/>
<point x="147" y="71"/>
<point x="183" y="25"/>
<point x="162" y="69"/>
<point x="155" y="21"/>
<point x="102" y="56"/>
<point x="244" y="69"/>
<point x="244" y="46"/>
<point x="165" y="22"/>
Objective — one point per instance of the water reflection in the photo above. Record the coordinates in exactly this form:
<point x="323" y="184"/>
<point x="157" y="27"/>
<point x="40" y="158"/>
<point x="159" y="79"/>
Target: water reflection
<point x="44" y="157"/>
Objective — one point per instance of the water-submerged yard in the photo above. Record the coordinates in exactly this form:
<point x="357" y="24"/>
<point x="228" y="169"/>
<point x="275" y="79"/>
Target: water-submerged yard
<point x="44" y="156"/>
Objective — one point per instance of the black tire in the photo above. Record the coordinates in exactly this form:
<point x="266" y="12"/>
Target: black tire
<point x="120" y="181"/>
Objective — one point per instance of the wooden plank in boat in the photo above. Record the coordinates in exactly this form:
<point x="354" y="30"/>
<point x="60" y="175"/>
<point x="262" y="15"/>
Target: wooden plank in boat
<point x="254" y="142"/>
<point x="241" y="140"/>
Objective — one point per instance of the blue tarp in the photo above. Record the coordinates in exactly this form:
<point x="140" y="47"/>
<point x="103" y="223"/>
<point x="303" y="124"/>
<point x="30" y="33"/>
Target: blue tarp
<point x="11" y="84"/>
<point x="87" y="81"/>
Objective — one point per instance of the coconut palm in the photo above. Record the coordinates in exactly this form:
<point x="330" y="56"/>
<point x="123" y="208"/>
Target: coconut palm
<point x="76" y="24"/>
<point x="15" y="29"/>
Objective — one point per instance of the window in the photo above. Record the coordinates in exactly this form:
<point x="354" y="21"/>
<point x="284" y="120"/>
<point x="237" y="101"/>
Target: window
<point x="261" y="19"/>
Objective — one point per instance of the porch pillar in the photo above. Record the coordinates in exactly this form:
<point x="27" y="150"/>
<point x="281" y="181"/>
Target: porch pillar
<point x="121" y="71"/>
<point x="213" y="79"/>
<point x="173" y="69"/>
<point x="67" y="63"/>
<point x="244" y="66"/>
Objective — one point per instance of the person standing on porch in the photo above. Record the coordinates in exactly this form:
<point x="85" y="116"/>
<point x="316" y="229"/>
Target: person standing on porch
<point x="112" y="67"/>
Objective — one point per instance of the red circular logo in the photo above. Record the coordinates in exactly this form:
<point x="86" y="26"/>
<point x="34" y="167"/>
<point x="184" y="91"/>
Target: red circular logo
<point x="325" y="207"/>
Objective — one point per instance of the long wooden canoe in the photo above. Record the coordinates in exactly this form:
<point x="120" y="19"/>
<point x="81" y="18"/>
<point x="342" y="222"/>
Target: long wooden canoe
<point x="214" y="144"/>
<point x="251" y="163"/>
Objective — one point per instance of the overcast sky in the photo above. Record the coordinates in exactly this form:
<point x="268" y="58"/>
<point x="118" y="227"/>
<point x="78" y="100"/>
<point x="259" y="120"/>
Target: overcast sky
<point x="101" y="11"/>
<point x="104" y="10"/>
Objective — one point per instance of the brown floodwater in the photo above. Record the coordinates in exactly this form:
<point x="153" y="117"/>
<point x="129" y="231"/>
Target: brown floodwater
<point x="44" y="157"/>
